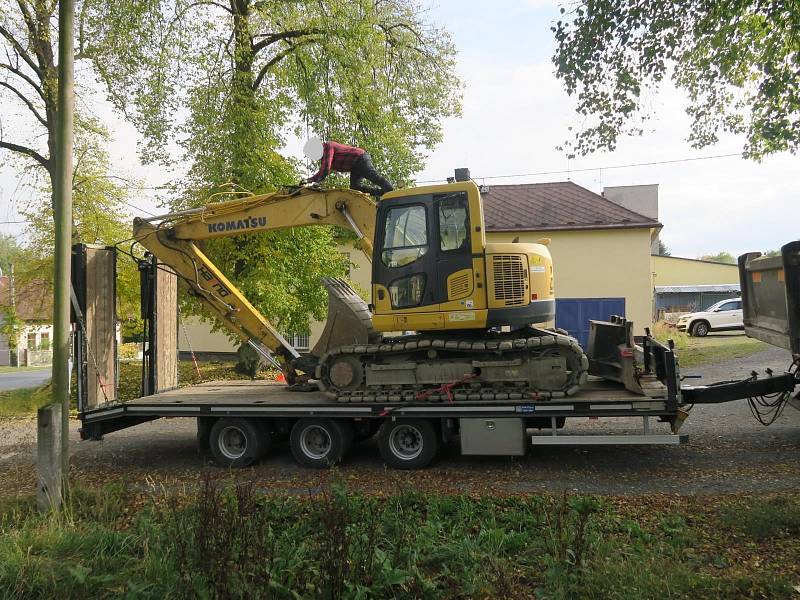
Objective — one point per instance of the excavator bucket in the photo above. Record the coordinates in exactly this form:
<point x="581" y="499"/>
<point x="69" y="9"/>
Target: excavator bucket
<point x="349" y="318"/>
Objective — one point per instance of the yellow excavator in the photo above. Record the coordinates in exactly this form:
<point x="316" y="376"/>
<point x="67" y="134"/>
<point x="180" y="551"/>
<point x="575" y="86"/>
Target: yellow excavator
<point x="452" y="316"/>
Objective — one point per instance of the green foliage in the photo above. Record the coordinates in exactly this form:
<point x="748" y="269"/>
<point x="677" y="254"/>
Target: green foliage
<point x="10" y="325"/>
<point x="10" y="252"/>
<point x="99" y="217"/>
<point x="763" y="519"/>
<point x="662" y="249"/>
<point x="232" y="83"/>
<point x="737" y="61"/>
<point x="233" y="542"/>
<point x="720" y="257"/>
<point x="249" y="361"/>
<point x="24" y="402"/>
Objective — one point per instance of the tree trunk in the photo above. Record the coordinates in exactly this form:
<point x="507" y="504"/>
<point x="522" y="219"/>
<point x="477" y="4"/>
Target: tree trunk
<point x="242" y="107"/>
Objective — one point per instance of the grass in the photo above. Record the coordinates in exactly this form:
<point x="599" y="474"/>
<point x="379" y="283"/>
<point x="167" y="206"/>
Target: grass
<point x="23" y="402"/>
<point x="234" y="542"/>
<point x="764" y="519"/>
<point x="19" y="369"/>
<point x="715" y="347"/>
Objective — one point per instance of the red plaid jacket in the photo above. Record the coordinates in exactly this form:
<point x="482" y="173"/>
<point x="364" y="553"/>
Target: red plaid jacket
<point x="336" y="157"/>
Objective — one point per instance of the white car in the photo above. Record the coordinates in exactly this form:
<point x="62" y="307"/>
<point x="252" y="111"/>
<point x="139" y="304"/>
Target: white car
<point x="725" y="315"/>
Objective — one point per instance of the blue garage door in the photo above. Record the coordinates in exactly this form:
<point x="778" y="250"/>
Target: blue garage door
<point x="574" y="314"/>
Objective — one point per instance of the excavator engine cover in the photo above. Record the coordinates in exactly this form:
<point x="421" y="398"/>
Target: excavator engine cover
<point x="349" y="318"/>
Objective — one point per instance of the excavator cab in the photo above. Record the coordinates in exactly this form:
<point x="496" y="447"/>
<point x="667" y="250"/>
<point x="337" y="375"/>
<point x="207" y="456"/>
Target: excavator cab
<point x="432" y="269"/>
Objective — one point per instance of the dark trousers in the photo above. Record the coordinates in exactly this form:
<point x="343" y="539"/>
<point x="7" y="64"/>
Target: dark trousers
<point x="364" y="169"/>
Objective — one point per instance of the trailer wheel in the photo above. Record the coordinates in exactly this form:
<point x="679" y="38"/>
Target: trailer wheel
<point x="408" y="443"/>
<point x="238" y="442"/>
<point x="320" y="443"/>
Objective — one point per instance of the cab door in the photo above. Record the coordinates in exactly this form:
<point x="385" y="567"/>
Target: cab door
<point x="454" y="274"/>
<point x="404" y="268"/>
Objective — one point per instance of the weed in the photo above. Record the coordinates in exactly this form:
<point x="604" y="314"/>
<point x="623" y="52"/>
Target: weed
<point x="764" y="518"/>
<point x="231" y="542"/>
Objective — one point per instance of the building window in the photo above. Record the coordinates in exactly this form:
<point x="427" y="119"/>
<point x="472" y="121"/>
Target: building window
<point x="300" y="341"/>
<point x="44" y="343"/>
<point x="31" y="341"/>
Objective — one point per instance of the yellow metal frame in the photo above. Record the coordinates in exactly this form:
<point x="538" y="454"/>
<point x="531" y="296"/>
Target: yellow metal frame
<point x="173" y="241"/>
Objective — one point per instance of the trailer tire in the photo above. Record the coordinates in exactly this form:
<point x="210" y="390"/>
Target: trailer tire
<point x="320" y="443"/>
<point x="408" y="443"/>
<point x="204" y="425"/>
<point x="238" y="442"/>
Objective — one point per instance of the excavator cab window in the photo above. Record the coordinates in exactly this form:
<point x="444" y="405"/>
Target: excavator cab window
<point x="453" y="222"/>
<point x="406" y="237"/>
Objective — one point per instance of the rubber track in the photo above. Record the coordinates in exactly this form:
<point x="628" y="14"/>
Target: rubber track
<point x="472" y="350"/>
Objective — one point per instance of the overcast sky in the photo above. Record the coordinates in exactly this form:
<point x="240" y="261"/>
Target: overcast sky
<point x="515" y="114"/>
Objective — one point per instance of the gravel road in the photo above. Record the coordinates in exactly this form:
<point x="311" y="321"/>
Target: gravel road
<point x="728" y="451"/>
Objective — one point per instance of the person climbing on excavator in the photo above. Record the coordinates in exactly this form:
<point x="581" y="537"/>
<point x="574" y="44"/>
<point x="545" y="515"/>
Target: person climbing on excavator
<point x="341" y="158"/>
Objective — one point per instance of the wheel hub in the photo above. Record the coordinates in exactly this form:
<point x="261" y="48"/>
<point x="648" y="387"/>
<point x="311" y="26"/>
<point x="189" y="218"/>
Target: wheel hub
<point x="406" y="442"/>
<point x="315" y="442"/>
<point x="233" y="443"/>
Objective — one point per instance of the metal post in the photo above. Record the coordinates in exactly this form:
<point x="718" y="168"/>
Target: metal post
<point x="62" y="185"/>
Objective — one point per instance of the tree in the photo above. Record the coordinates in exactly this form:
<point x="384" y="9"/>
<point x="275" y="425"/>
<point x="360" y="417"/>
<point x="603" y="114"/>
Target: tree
<point x="10" y="252"/>
<point x="662" y="248"/>
<point x="98" y="217"/>
<point x="28" y="85"/>
<point x="738" y="61"/>
<point x="251" y="73"/>
<point x="720" y="257"/>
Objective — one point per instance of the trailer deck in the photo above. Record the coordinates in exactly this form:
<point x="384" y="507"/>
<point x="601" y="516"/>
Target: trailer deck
<point x="271" y="399"/>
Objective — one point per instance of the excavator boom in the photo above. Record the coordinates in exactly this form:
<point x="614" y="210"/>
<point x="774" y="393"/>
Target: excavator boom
<point x="173" y="238"/>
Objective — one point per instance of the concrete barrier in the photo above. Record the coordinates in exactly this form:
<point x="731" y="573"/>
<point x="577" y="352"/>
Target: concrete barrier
<point x="48" y="458"/>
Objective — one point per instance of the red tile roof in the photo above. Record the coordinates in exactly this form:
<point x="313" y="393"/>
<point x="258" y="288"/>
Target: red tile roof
<point x="554" y="206"/>
<point x="34" y="299"/>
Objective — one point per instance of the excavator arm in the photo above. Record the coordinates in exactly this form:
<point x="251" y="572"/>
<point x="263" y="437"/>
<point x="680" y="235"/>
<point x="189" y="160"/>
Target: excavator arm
<point x="174" y="239"/>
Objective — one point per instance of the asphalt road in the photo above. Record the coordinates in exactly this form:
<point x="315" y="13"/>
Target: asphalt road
<point x="24" y="378"/>
<point x="728" y="452"/>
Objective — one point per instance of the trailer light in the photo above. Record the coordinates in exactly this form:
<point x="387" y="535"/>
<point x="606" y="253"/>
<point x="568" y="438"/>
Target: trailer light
<point x="627" y="353"/>
<point x="534" y="296"/>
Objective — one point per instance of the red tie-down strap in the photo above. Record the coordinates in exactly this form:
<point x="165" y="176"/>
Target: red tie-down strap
<point x="445" y="388"/>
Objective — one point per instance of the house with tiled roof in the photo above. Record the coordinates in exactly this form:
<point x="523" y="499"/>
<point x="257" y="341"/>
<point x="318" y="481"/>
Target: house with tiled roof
<point x="32" y="304"/>
<point x="601" y="246"/>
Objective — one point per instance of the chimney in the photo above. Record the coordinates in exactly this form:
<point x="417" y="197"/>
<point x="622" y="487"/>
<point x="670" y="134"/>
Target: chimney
<point x="462" y="174"/>
<point x="642" y="199"/>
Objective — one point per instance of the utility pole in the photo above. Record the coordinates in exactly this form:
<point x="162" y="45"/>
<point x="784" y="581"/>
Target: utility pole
<point x="63" y="229"/>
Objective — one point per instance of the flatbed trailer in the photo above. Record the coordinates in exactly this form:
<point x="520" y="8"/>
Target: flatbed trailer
<point x="630" y="376"/>
<point x="237" y="421"/>
<point x="503" y="428"/>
